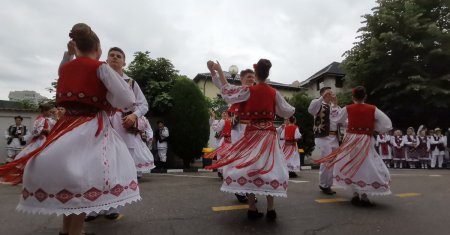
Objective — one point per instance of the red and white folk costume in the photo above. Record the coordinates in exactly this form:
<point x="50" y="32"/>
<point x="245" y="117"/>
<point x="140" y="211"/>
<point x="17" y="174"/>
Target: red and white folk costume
<point x="37" y="137"/>
<point x="398" y="150"/>
<point x="423" y="150"/>
<point x="357" y="165"/>
<point x="384" y="148"/>
<point x="84" y="166"/>
<point x="255" y="163"/>
<point x="291" y="134"/>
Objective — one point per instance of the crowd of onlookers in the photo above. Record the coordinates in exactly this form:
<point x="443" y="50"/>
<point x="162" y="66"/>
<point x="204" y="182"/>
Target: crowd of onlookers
<point x="426" y="148"/>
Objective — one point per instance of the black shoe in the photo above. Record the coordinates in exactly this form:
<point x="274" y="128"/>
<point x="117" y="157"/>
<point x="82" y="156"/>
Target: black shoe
<point x="292" y="174"/>
<point x="112" y="216"/>
<point x="271" y="215"/>
<point x="327" y="191"/>
<point x="254" y="215"/>
<point x="90" y="218"/>
<point x="355" y="201"/>
<point x="241" y="199"/>
<point x="366" y="203"/>
<point x="256" y="199"/>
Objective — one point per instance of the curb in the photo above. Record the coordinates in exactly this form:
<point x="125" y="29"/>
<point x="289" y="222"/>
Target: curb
<point x="199" y="170"/>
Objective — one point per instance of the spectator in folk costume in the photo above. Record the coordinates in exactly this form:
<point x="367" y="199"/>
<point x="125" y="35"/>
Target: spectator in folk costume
<point x="255" y="164"/>
<point x="398" y="150"/>
<point x="437" y="146"/>
<point x="64" y="178"/>
<point x="223" y="127"/>
<point x="447" y="152"/>
<point x="146" y="132"/>
<point x="411" y="142"/>
<point x="291" y="135"/>
<point x="423" y="149"/>
<point x="15" y="136"/>
<point x="162" y="136"/>
<point x="247" y="78"/>
<point x="325" y="133"/>
<point x="356" y="165"/>
<point x="41" y="128"/>
<point x="384" y="148"/>
<point x="280" y="130"/>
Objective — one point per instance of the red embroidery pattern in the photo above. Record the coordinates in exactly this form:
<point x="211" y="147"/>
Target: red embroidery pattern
<point x="233" y="91"/>
<point x="362" y="184"/>
<point x="258" y="182"/>
<point x="147" y="164"/>
<point x="65" y="195"/>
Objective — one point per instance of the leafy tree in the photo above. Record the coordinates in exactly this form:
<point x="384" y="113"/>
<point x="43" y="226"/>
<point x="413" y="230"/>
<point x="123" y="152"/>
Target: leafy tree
<point x="305" y="121"/>
<point x="344" y="98"/>
<point x="188" y="120"/>
<point x="216" y="104"/>
<point x="156" y="78"/>
<point x="402" y="58"/>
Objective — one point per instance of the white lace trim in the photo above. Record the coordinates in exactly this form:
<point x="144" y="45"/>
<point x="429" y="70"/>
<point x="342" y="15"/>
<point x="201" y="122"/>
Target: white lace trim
<point x="61" y="211"/>
<point x="256" y="192"/>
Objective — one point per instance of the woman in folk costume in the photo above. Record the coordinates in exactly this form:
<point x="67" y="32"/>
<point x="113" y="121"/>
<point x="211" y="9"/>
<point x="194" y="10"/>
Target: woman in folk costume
<point x="223" y="127"/>
<point x="290" y="135"/>
<point x="423" y="149"/>
<point x="84" y="166"/>
<point x="41" y="127"/>
<point x="410" y="141"/>
<point x="398" y="151"/>
<point x="384" y="148"/>
<point x="145" y="133"/>
<point x="357" y="165"/>
<point x="255" y="164"/>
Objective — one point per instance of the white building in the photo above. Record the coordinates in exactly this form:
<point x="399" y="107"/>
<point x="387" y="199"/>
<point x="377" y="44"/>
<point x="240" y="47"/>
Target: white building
<point x="31" y="96"/>
<point x="330" y="76"/>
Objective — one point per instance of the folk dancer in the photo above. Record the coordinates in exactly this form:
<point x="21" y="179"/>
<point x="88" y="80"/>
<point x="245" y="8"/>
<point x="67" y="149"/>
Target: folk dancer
<point x="398" y="150"/>
<point x="423" y="149"/>
<point x="356" y="164"/>
<point x="411" y="142"/>
<point x="384" y="148"/>
<point x="291" y="135"/>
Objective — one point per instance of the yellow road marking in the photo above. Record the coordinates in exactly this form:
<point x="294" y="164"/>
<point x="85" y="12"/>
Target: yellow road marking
<point x="120" y="217"/>
<point x="332" y="200"/>
<point x="407" y="194"/>
<point x="229" y="208"/>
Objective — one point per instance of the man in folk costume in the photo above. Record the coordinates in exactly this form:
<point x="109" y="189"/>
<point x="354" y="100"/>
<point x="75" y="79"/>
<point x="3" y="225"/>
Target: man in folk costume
<point x="398" y="150"/>
<point x="356" y="164"/>
<point x="423" y="149"/>
<point x="255" y="164"/>
<point x="411" y="142"/>
<point x="325" y="133"/>
<point x="223" y="127"/>
<point x="291" y="135"/>
<point x="41" y="128"/>
<point x="247" y="78"/>
<point x="437" y="145"/>
<point x="162" y="137"/>
<point x="146" y="132"/>
<point x="63" y="178"/>
<point x="384" y="148"/>
<point x="15" y="138"/>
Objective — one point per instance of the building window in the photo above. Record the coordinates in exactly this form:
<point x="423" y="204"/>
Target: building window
<point x="339" y="82"/>
<point x="319" y="81"/>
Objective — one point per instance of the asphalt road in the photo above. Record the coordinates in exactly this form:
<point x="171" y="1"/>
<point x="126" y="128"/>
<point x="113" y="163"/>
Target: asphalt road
<point x="184" y="203"/>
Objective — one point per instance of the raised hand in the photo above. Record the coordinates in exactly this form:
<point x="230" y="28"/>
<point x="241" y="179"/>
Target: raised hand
<point x="71" y="47"/>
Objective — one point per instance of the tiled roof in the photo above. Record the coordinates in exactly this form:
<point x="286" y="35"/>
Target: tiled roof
<point x="331" y="69"/>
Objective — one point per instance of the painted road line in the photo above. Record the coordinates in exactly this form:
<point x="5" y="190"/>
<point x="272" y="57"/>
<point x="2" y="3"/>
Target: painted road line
<point x="204" y="170"/>
<point x="229" y="208"/>
<point x="175" y="171"/>
<point x="407" y="194"/>
<point x="331" y="200"/>
<point x="435" y="175"/>
<point x="298" y="181"/>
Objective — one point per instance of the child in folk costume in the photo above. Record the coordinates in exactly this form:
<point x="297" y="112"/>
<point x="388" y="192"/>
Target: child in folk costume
<point x="384" y="148"/>
<point x="41" y="127"/>
<point x="16" y="136"/>
<point x="410" y="142"/>
<point x="84" y="166"/>
<point x="398" y="151"/>
<point x="223" y="127"/>
<point x="437" y="145"/>
<point x="255" y="164"/>
<point x="423" y="149"/>
<point x="247" y="78"/>
<point x="357" y="166"/>
<point x="291" y="135"/>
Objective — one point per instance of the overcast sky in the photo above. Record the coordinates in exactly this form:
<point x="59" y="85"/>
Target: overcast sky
<point x="300" y="37"/>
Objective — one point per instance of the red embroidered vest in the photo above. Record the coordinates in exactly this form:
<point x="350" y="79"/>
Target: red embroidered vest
<point x="361" y="118"/>
<point x="79" y="86"/>
<point x="289" y="132"/>
<point x="226" y="132"/>
<point x="260" y="105"/>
